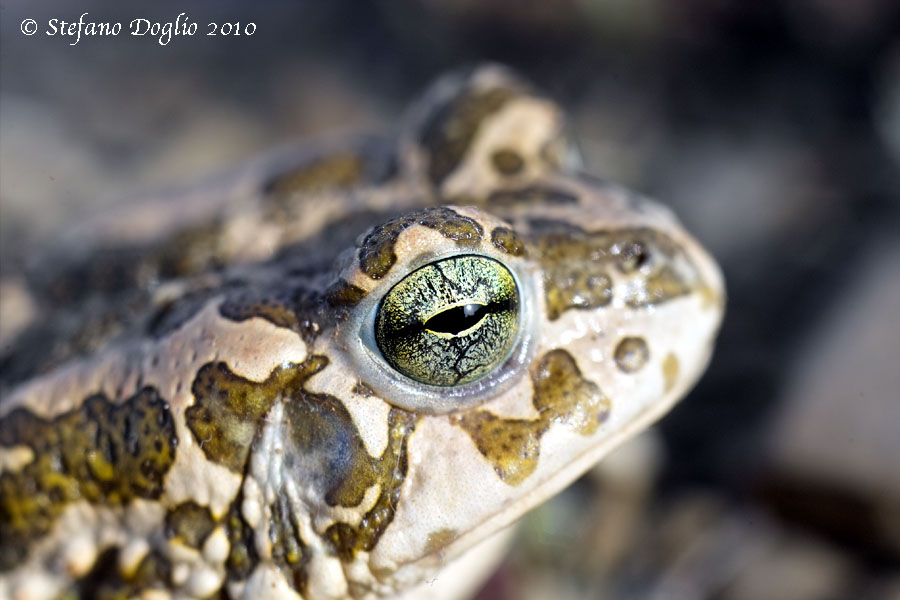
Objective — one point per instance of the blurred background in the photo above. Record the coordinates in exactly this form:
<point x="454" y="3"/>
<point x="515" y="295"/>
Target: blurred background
<point x="773" y="130"/>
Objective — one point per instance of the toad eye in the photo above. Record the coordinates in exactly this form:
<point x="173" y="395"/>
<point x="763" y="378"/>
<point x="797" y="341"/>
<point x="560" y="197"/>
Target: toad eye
<point x="450" y="322"/>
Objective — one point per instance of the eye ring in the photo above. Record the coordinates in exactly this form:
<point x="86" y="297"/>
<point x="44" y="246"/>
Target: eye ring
<point x="358" y="345"/>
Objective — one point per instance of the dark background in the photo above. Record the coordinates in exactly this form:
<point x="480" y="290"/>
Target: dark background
<point x="772" y="128"/>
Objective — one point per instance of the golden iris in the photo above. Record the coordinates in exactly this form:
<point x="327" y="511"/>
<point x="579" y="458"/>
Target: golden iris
<point x="449" y="322"/>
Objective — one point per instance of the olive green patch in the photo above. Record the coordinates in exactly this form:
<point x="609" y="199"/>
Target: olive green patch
<point x="631" y="354"/>
<point x="578" y="266"/>
<point x="339" y="170"/>
<point x="508" y="240"/>
<point x="291" y="307"/>
<point x="190" y="523"/>
<point x="561" y="396"/>
<point x="102" y="452"/>
<point x="670" y="371"/>
<point x="440" y="539"/>
<point x="662" y="285"/>
<point x="343" y="294"/>
<point x="389" y="472"/>
<point x="507" y="162"/>
<point x="105" y="581"/>
<point x="376" y="254"/>
<point x="323" y="449"/>
<point x="228" y="409"/>
<point x="448" y="133"/>
<point x="358" y="163"/>
<point x="536" y="194"/>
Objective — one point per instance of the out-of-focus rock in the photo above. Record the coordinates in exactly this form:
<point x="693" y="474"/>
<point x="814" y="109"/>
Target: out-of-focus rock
<point x="835" y="446"/>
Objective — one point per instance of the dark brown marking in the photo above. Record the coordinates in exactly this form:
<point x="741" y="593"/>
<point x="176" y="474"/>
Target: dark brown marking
<point x="339" y="170"/>
<point x="290" y="306"/>
<point x="631" y="354"/>
<point x="507" y="162"/>
<point x="102" y="452"/>
<point x="537" y="194"/>
<point x="508" y="240"/>
<point x="344" y="294"/>
<point x="389" y="471"/>
<point x="376" y="254"/>
<point x="448" y="133"/>
<point x="363" y="389"/>
<point x="362" y="162"/>
<point x="561" y="396"/>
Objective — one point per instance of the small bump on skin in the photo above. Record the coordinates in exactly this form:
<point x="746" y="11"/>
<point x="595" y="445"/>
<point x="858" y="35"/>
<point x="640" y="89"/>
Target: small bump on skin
<point x="507" y="162"/>
<point x="362" y="389"/>
<point x="288" y="550"/>
<point x="106" y="580"/>
<point x="508" y="241"/>
<point x="631" y="354"/>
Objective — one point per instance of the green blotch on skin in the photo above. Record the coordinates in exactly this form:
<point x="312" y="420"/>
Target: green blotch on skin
<point x="561" y="396"/>
<point x="102" y="452"/>
<point x="447" y="135"/>
<point x="339" y="170"/>
<point x="670" y="371"/>
<point x="376" y="254"/>
<point x="507" y="162"/>
<point x="631" y="354"/>
<point x="228" y="409"/>
<point x="509" y="241"/>
<point x="578" y="266"/>
<point x="322" y="447"/>
<point x="389" y="472"/>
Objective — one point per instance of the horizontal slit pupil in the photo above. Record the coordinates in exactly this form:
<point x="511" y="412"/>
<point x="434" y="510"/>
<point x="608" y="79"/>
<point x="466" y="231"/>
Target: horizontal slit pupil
<point x="456" y="319"/>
